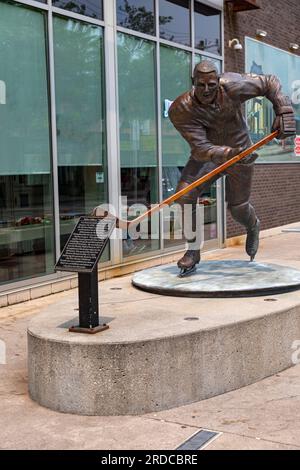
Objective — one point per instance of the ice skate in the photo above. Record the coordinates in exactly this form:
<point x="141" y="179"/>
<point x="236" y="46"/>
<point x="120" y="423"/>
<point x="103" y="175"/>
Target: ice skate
<point x="188" y="263"/>
<point x="252" y="241"/>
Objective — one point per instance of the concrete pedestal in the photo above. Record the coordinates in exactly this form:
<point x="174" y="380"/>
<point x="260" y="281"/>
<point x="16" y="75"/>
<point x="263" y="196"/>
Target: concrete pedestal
<point x="159" y="352"/>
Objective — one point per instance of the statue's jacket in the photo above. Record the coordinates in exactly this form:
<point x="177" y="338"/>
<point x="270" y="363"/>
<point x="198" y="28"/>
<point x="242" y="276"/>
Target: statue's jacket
<point x="209" y="129"/>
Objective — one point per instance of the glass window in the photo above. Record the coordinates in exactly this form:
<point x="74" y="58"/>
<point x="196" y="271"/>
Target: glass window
<point x="209" y="199"/>
<point x="175" y="66"/>
<point x="26" y="217"/>
<point x="138" y="134"/>
<point x="82" y="168"/>
<point x="218" y="63"/>
<point x="174" y="21"/>
<point x="92" y="8"/>
<point x="263" y="59"/>
<point x="207" y="29"/>
<point x="137" y="15"/>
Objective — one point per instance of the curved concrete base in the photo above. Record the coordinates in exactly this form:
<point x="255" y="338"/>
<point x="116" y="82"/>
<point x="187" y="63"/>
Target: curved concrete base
<point x="153" y="357"/>
<point x="220" y="279"/>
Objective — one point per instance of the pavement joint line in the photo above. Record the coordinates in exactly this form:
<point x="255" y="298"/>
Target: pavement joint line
<point x="219" y="431"/>
<point x="188" y="425"/>
<point x="127" y="301"/>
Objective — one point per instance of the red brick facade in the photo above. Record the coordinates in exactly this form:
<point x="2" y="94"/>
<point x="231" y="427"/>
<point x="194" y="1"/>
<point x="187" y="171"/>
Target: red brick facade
<point x="276" y="187"/>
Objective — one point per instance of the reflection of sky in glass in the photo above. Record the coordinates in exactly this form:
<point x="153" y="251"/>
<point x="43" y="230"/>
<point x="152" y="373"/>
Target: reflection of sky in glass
<point x="137" y="15"/>
<point x="176" y="16"/>
<point x="207" y="29"/>
<point x="263" y="59"/>
<point x="91" y="8"/>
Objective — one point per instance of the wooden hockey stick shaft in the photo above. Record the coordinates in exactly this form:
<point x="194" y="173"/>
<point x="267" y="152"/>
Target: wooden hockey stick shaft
<point x="124" y="224"/>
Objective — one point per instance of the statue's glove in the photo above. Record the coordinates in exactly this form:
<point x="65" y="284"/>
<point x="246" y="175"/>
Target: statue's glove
<point x="223" y="154"/>
<point x="285" y="121"/>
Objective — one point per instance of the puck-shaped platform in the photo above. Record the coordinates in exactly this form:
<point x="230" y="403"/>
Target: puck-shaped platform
<point x="219" y="279"/>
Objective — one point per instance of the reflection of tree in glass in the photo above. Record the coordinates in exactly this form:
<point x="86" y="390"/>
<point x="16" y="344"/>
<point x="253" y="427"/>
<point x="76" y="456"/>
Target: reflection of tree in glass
<point x="79" y="83"/>
<point x="76" y="8"/>
<point x="136" y="77"/>
<point x="139" y="19"/>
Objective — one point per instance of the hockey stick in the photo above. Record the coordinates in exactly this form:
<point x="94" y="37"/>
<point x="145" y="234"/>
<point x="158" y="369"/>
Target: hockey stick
<point x="124" y="224"/>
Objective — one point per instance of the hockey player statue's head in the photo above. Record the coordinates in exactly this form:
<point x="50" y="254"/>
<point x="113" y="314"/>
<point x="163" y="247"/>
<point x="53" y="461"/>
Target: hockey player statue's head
<point x="206" y="82"/>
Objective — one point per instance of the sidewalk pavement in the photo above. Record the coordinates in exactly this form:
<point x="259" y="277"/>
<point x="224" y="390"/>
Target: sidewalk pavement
<point x="265" y="415"/>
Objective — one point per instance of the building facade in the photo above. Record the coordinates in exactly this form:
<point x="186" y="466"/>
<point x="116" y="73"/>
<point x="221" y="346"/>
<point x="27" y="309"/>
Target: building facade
<point x="85" y="88"/>
<point x="267" y="35"/>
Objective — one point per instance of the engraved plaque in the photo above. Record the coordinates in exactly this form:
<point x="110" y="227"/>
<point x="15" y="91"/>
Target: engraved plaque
<point x="86" y="244"/>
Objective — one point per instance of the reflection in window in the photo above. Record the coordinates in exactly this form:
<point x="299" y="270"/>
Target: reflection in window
<point x="26" y="217"/>
<point x="263" y="59"/>
<point x="138" y="134"/>
<point x="91" y="8"/>
<point x="137" y="15"/>
<point x="82" y="169"/>
<point x="207" y="29"/>
<point x="175" y="63"/>
<point x="174" y="21"/>
<point x="175" y="149"/>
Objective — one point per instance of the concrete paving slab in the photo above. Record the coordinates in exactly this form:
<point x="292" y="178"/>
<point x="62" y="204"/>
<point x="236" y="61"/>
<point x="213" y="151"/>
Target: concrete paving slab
<point x="268" y="409"/>
<point x="236" y="442"/>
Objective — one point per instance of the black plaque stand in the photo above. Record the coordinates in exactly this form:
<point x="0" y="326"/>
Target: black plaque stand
<point x="88" y="305"/>
<point x="81" y="254"/>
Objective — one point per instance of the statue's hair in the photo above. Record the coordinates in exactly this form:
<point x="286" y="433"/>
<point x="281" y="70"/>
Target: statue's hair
<point x="206" y="66"/>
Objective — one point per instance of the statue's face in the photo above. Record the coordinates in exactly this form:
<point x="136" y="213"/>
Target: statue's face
<point x="206" y="87"/>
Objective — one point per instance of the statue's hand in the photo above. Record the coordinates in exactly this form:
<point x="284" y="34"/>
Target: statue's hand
<point x="285" y="124"/>
<point x="224" y="154"/>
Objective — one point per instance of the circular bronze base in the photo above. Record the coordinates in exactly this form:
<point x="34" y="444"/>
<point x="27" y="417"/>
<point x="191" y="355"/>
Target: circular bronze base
<point x="220" y="279"/>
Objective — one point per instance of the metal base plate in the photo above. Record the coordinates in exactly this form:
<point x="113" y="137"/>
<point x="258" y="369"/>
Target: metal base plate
<point x="220" y="279"/>
<point x="89" y="331"/>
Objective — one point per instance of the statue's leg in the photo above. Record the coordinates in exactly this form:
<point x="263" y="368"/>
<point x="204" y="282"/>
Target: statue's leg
<point x="188" y="205"/>
<point x="191" y="173"/>
<point x="238" y="189"/>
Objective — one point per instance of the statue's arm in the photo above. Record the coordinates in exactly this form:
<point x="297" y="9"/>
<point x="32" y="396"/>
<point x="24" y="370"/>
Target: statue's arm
<point x="247" y="86"/>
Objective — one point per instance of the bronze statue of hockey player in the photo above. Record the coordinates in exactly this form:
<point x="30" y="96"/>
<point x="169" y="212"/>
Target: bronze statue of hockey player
<point x="210" y="118"/>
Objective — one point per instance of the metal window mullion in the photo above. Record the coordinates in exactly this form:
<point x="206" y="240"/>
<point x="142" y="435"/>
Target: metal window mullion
<point x="192" y="22"/>
<point x="77" y="16"/>
<point x="132" y="32"/>
<point x="208" y="54"/>
<point x="223" y="39"/>
<point x="159" y="126"/>
<point x="175" y="44"/>
<point x="38" y="5"/>
<point x="221" y="202"/>
<point x="112" y="120"/>
<point x="159" y="149"/>
<point x="54" y="135"/>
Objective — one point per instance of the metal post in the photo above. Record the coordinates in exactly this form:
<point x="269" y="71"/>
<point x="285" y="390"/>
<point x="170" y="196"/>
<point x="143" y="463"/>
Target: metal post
<point x="88" y="305"/>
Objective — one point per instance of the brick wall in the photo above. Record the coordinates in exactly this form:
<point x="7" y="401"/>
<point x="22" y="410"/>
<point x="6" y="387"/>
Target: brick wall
<point x="276" y="187"/>
<point x="275" y="196"/>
